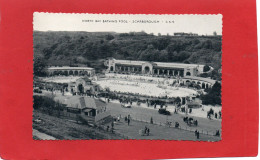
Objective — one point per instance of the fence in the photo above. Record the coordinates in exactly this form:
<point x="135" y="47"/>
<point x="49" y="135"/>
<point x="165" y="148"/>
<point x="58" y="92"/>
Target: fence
<point x="180" y="127"/>
<point x="114" y="131"/>
<point x="205" y="132"/>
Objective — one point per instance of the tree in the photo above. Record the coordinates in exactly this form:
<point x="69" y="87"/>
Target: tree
<point x="182" y="55"/>
<point x="216" y="89"/>
<point x="109" y="37"/>
<point x="59" y="48"/>
<point x="213" y="96"/>
<point x="206" y="68"/>
<point x="39" y="67"/>
<point x="163" y="43"/>
<point x="163" y="56"/>
<point x="186" y="62"/>
<point x="207" y="44"/>
<point x="150" y="54"/>
<point x="195" y="41"/>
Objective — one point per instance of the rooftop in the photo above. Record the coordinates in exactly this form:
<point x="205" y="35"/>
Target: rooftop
<point x="159" y="64"/>
<point x="85" y="102"/>
<point x="69" y="68"/>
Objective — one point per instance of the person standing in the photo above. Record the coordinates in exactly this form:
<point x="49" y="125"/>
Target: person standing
<point x="175" y="111"/>
<point x="217" y="133"/>
<point x="112" y="124"/>
<point x="198" y="135"/>
<point x="219" y="114"/>
<point x="151" y="121"/>
<point x="196" y="132"/>
<point x="128" y="121"/>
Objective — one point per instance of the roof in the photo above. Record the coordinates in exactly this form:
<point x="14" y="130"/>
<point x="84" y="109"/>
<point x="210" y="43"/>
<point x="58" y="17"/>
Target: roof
<point x="158" y="64"/>
<point x="70" y="68"/>
<point x="85" y="102"/>
<point x="176" y="65"/>
<point x="87" y="109"/>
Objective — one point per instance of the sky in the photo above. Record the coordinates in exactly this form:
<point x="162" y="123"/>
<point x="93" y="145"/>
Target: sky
<point x="200" y="24"/>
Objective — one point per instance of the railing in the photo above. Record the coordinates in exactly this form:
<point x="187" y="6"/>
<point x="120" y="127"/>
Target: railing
<point x="114" y="131"/>
<point x="201" y="131"/>
<point x="205" y="132"/>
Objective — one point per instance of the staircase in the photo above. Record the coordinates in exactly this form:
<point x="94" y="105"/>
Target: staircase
<point x="87" y="120"/>
<point x="106" y="120"/>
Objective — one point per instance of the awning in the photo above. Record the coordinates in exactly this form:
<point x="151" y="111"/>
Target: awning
<point x="87" y="110"/>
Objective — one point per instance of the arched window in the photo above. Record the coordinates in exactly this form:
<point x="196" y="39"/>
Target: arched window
<point x="55" y="72"/>
<point x="146" y="70"/>
<point x="80" y="88"/>
<point x="66" y="73"/>
<point x="203" y="85"/>
<point x="111" y="68"/>
<point x="70" y="72"/>
<point x="188" y="74"/>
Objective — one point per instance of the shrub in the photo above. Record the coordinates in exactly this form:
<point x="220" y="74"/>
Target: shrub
<point x="206" y="68"/>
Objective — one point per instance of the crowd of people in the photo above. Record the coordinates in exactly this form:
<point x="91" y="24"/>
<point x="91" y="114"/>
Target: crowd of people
<point x="217" y="115"/>
<point x="161" y="101"/>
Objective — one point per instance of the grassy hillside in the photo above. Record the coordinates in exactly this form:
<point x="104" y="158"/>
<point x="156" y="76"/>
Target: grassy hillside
<point x="86" y="48"/>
